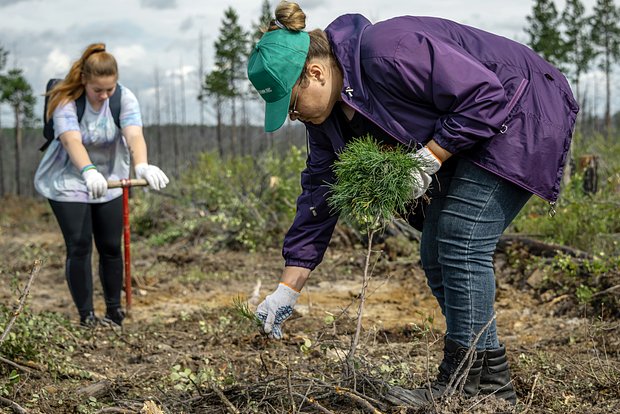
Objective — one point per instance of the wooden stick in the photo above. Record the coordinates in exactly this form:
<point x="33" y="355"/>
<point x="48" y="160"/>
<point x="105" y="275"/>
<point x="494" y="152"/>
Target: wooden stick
<point x="133" y="182"/>
<point x="290" y="389"/>
<point x="608" y="290"/>
<point x="16" y="365"/>
<point x="16" y="407"/>
<point x="116" y="410"/>
<point x="229" y="406"/>
<point x="313" y="403"/>
<point x="22" y="300"/>
<point x="530" y="397"/>
<point x="457" y="381"/>
<point x="367" y="406"/>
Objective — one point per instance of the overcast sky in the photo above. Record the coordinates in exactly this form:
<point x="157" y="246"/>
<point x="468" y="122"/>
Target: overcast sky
<point x="147" y="37"/>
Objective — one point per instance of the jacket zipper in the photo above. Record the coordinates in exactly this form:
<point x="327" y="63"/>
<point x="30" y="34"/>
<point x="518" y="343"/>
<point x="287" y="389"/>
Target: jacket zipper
<point x="513" y="102"/>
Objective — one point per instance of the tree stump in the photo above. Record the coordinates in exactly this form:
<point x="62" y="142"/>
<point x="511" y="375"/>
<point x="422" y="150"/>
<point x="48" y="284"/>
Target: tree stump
<point x="588" y="164"/>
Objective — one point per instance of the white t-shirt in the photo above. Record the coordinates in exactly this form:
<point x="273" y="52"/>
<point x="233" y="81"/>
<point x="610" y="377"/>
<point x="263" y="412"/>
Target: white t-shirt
<point x="58" y="179"/>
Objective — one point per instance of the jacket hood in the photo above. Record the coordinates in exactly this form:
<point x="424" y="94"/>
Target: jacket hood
<point x="345" y="35"/>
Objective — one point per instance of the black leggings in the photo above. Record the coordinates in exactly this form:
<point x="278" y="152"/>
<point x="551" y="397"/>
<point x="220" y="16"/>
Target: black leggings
<point x="79" y="222"/>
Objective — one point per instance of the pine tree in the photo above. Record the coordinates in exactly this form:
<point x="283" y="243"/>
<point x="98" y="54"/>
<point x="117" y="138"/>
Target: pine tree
<point x="231" y="52"/>
<point x="17" y="92"/>
<point x="606" y="38"/>
<point x="545" y="37"/>
<point x="3" y="55"/>
<point x="579" y="50"/>
<point x="216" y="86"/>
<point x="262" y="24"/>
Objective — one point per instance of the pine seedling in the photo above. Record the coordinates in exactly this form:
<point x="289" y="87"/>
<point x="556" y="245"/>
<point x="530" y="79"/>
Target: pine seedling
<point x="242" y="308"/>
<point x="374" y="185"/>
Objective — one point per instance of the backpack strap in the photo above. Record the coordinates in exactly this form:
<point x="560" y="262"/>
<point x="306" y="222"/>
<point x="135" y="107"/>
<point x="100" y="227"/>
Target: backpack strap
<point x="48" y="126"/>
<point x="115" y="105"/>
<point x="80" y="104"/>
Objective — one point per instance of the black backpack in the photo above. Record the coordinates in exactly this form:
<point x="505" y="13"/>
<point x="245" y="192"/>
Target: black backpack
<point x="48" y="126"/>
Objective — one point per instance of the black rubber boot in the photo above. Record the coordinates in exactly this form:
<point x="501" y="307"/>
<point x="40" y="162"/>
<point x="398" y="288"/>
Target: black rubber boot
<point x="495" y="376"/>
<point x="448" y="372"/>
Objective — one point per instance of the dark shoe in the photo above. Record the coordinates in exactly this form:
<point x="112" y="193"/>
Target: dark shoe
<point x="89" y="320"/>
<point x="449" y="374"/>
<point x="114" y="317"/>
<point x="495" y="376"/>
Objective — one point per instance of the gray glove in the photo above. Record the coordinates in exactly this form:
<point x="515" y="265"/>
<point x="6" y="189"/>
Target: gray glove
<point x="153" y="175"/>
<point x="96" y="184"/>
<point x="422" y="177"/>
<point x="275" y="309"/>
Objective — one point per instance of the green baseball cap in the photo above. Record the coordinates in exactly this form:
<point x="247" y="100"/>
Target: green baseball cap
<point x="273" y="68"/>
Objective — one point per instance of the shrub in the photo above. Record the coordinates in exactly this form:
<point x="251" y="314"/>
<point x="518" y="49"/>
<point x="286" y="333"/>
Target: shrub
<point x="239" y="203"/>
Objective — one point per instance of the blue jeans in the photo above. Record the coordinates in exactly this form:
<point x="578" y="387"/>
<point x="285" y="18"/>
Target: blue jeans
<point x="470" y="208"/>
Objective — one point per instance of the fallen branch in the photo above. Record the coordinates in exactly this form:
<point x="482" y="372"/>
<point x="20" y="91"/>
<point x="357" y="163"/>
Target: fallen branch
<point x="229" y="406"/>
<point x="531" y="396"/>
<point x="606" y="291"/>
<point x="16" y="407"/>
<point x="16" y="365"/>
<point x="116" y="410"/>
<point x="22" y="300"/>
<point x="96" y="390"/>
<point x="367" y="406"/>
<point x="470" y="358"/>
<point x="539" y="248"/>
<point x="290" y="389"/>
<point x="314" y="403"/>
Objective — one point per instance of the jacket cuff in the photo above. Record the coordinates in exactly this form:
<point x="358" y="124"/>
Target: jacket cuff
<point x="300" y="263"/>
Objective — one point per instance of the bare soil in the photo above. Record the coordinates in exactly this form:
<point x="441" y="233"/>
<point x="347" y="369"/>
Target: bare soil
<point x="185" y="348"/>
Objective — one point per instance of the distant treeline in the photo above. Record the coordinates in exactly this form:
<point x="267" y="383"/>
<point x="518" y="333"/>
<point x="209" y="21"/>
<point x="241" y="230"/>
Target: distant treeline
<point x="175" y="147"/>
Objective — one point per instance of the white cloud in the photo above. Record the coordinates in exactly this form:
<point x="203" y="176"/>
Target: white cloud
<point x="7" y="3"/>
<point x="130" y="55"/>
<point x="185" y="70"/>
<point x="159" y="4"/>
<point x="57" y="64"/>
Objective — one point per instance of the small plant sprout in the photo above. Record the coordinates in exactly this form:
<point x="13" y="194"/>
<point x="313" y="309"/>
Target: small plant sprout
<point x="374" y="184"/>
<point x="242" y="308"/>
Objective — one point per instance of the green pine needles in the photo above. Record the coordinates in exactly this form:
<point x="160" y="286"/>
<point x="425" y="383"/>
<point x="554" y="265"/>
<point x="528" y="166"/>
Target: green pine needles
<point x="373" y="183"/>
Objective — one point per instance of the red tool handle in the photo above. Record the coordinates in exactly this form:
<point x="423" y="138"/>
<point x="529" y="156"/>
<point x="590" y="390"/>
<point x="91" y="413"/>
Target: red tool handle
<point x="125" y="184"/>
<point x="126" y="239"/>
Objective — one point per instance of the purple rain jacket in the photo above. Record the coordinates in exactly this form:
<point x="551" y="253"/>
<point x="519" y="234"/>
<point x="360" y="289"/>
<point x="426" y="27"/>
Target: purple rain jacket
<point x="482" y="97"/>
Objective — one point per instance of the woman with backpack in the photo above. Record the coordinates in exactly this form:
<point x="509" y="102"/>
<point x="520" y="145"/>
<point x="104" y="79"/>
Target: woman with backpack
<point x="490" y="119"/>
<point x="87" y="150"/>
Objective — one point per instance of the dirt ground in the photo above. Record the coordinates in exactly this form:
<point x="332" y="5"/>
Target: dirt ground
<point x="185" y="348"/>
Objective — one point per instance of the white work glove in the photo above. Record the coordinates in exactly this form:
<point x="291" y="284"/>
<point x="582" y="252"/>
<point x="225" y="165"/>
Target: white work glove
<point x="96" y="184"/>
<point x="422" y="177"/>
<point x="275" y="309"/>
<point x="153" y="175"/>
